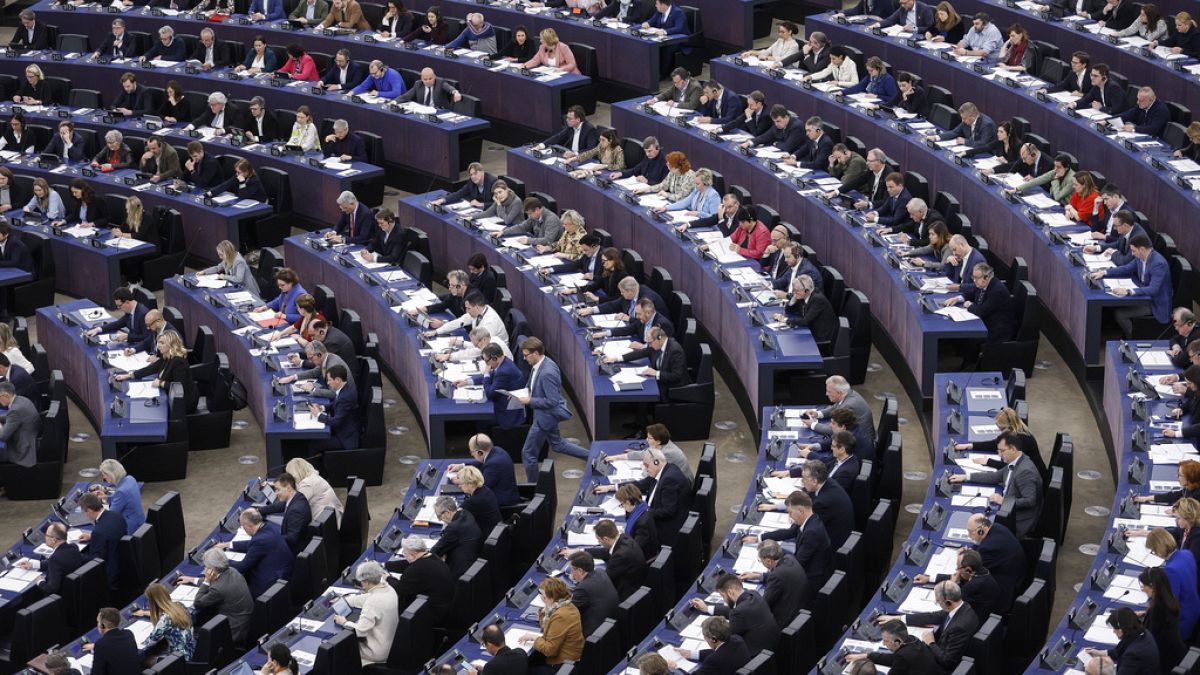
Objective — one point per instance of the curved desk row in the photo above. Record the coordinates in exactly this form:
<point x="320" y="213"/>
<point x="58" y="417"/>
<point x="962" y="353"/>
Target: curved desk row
<point x="417" y="145"/>
<point x="204" y="226"/>
<point x="274" y="411"/>
<point x="1141" y="468"/>
<point x="507" y="96"/>
<point x="401" y="347"/>
<point x="317" y="185"/>
<point x="451" y="243"/>
<point x="915" y="333"/>
<point x="86" y="371"/>
<point x="1006" y="227"/>
<point x="941" y="528"/>
<point x="1150" y="189"/>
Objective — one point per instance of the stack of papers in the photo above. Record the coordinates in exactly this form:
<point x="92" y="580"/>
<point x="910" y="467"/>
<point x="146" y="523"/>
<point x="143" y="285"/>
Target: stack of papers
<point x="143" y="390"/>
<point x="626" y="470"/>
<point x="957" y="313"/>
<point x="1113" y="284"/>
<point x="628" y="377"/>
<point x="306" y="422"/>
<point x="919" y="600"/>
<point x="1040" y="201"/>
<point x="469" y="395"/>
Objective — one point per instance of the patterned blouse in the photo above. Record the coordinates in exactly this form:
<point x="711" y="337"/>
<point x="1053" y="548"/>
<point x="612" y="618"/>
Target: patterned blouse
<point x="568" y="243"/>
<point x="677" y="186"/>
<point x="181" y="641"/>
<point x="615" y="161"/>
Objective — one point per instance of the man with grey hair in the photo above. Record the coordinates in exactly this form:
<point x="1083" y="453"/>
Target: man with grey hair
<point x="726" y="652"/>
<point x="166" y="49"/>
<point x="423" y="573"/>
<point x="870" y="183"/>
<point x="457" y="282"/>
<point x="31" y="34"/>
<point x="954" y="624"/>
<point x="840" y="395"/>
<point x="975" y="130"/>
<point x="210" y="53"/>
<point x="915" y="229"/>
<point x="343" y="145"/>
<point x="319" y="361"/>
<point x="480" y="337"/>
<point x="220" y="115"/>
<point x="989" y="299"/>
<point x="19" y="433"/>
<point x="117" y="44"/>
<point x="356" y="225"/>
<point x="64" y="560"/>
<point x="811" y="309"/>
<point x="223" y="590"/>
<point x="1149" y="116"/>
<point x="57" y="664"/>
<point x="376" y="625"/>
<point x="461" y="538"/>
<point x="266" y="558"/>
<point x="786" y="582"/>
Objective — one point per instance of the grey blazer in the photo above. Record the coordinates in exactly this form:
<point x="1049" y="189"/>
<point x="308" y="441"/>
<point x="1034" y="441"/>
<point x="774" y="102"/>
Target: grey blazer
<point x="674" y="455"/>
<point x="331" y="360"/>
<point x="228" y="595"/>
<point x="1024" y="492"/>
<point x="858" y="405"/>
<point x="239" y="273"/>
<point x="20" y="432"/>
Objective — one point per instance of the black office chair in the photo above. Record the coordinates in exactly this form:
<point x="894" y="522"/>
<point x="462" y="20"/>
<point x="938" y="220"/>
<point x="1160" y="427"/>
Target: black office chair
<point x="418" y="267"/>
<point x="35" y="628"/>
<point x="86" y="98"/>
<point x="688" y="409"/>
<point x="829" y="611"/>
<point x="365" y="462"/>
<point x="943" y="116"/>
<point x="587" y="62"/>
<point x="24" y="299"/>
<point x="166" y="515"/>
<point x="1021" y="351"/>
<point x="84" y="592"/>
<point x="856" y="309"/>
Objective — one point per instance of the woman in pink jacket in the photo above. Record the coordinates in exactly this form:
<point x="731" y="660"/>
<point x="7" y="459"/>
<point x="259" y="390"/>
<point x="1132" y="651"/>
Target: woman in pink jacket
<point x="300" y="66"/>
<point x="554" y="54"/>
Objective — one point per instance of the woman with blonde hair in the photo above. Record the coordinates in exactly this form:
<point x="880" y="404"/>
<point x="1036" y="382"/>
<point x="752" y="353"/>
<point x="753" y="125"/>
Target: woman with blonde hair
<point x="233" y="267"/>
<point x="126" y="497"/>
<point x="481" y="502"/>
<point x="553" y="53"/>
<point x="172" y="367"/>
<point x="136" y="225"/>
<point x="1192" y="149"/>
<point x="567" y="246"/>
<point x="304" y="131"/>
<point x="316" y="489"/>
<point x="1185" y="39"/>
<point x="10" y="348"/>
<point x="45" y="201"/>
<point x="34" y="90"/>
<point x="1180" y="566"/>
<point x="562" y="628"/>
<point x="172" y="625"/>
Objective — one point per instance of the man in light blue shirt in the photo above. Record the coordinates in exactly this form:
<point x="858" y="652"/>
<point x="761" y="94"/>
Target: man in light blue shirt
<point x="983" y="39"/>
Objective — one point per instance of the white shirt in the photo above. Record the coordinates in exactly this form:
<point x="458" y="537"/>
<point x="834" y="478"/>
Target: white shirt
<point x="488" y="319"/>
<point x="845" y="74"/>
<point x="575" y="139"/>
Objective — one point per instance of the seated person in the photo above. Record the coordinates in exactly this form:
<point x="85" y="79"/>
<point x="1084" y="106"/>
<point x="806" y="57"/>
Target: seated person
<point x="341" y="413"/>
<point x="201" y="169"/>
<point x="346" y="15"/>
<point x="244" y="183"/>
<point x="343" y="145"/>
<point x="131" y="326"/>
<point x="389" y="245"/>
<point x="1151" y="279"/>
<point x="381" y="81"/>
<point x="299" y="65"/>
<point x="118" y="44"/>
<point x="290" y="289"/>
<point x="115" y="155"/>
<point x="477" y="36"/>
<point x="266" y="559"/>
<point x="132" y="100"/>
<point x="808" y="308"/>
<point x="461" y="540"/>
<point x="356" y="224"/>
<point x="343" y="74"/>
<point x="172" y="367"/>
<point x="67" y="144"/>
<point x="210" y="53"/>
<point x="261" y="58"/>
<point x="167" y="48"/>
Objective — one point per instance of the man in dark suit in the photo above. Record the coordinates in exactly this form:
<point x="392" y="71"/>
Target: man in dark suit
<point x="261" y="125"/>
<point x="726" y="653"/>
<point x="1020" y="483"/>
<point x="960" y="266"/>
<point x="64" y="560"/>
<point x="1149" y="116"/>
<point x="201" y="169"/>
<point x="872" y="183"/>
<point x="811" y="309"/>
<point x="461" y="539"/>
<point x="423" y="573"/>
<point x="988" y="298"/>
<point x="915" y="17"/>
<point x="267" y="556"/>
<point x="343" y="145"/>
<point x="906" y="654"/>
<point x="846" y="465"/>
<point x="502" y="375"/>
<point x="787" y="588"/>
<point x="631" y="12"/>
<point x="594" y="594"/>
<point x="223" y="590"/>
<point x="1104" y="221"/>
<point x="631" y="293"/>
<point x="481" y="276"/>
<point x="1031" y="164"/>
<point x="31" y="34"/>
<point x="579" y="135"/>
<point x="813" y="153"/>
<point x="725" y="219"/>
<point x="496" y="466"/>
<point x="813" y="549"/>
<point x="297" y="513"/>
<point x="477" y="190"/>
<point x="117" y="44"/>
<point x="107" y="529"/>
<point x="220" y="114"/>
<point x="668" y="364"/>
<point x="388" y="245"/>
<point x="794" y="264"/>
<point x="1105" y="95"/>
<point x="1078" y="79"/>
<point x="625" y="564"/>
<point x="830" y="502"/>
<point x="786" y="132"/>
<point x="1151" y="279"/>
<point x="1184" y="323"/>
<point x="505" y="660"/>
<point x="67" y="144"/>
<point x="356" y="225"/>
<point x="210" y="53"/>
<point x="718" y="105"/>
<point x="915" y="227"/>
<point x="545" y="400"/>
<point x="336" y="342"/>
<point x="1117" y="14"/>
<point x="21" y="380"/>
<point x="979" y="588"/>
<point x="749" y="615"/>
<point x="894" y="208"/>
<point x="1002" y="554"/>
<point x="341" y="414"/>
<point x="754" y="120"/>
<point x="431" y="90"/>
<point x="645" y="318"/>
<point x="116" y="651"/>
<point x="343" y="74"/>
<point x="670" y="494"/>
<point x="954" y="624"/>
<point x="588" y="263"/>
<point x="975" y="129"/>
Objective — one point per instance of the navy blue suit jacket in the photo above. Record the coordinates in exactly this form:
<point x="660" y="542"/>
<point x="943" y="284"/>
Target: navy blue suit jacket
<point x="341" y="414"/>
<point x="106" y="535"/>
<point x="672" y="500"/>
<point x="276" y="13"/>
<point x="787" y="139"/>
<point x="894" y="210"/>
<point x="134" y="323"/>
<point x="924" y="17"/>
<point x="297" y="514"/>
<point x="500" y="476"/>
<point x="267" y="560"/>
<point x="731" y="108"/>
<point x="1110" y="95"/>
<point x="621" y="305"/>
<point x="351" y="145"/>
<point x="364" y="226"/>
<point x="509" y="378"/>
<point x="1003" y="556"/>
<point x="354" y="75"/>
<point x="966" y="282"/>
<point x="813" y="549"/>
<point x="1155" y="284"/>
<point x="116" y="653"/>
<point x="832" y="505"/>
<point x="65" y="559"/>
<point x="674" y="24"/>
<point x="472" y="192"/>
<point x="546" y="396"/>
<point x="1150" y="121"/>
<point x="846" y="473"/>
<point x="55" y="147"/>
<point x="16" y="254"/>
<point x="994" y="305"/>
<point x="815" y="154"/>
<point x="391" y="251"/>
<point x="589" y="137"/>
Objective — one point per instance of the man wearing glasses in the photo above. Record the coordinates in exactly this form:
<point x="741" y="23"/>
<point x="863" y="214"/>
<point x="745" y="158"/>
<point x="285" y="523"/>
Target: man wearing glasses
<point x="452" y="302"/>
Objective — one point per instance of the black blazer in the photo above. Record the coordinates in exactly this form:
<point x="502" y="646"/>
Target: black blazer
<point x="251" y="189"/>
<point x="949" y="641"/>
<point x="507" y="661"/>
<point x="596" y="599"/>
<point x="40" y="40"/>
<point x="76" y="153"/>
<point x="787" y="590"/>
<point x="206" y="174"/>
<point x="1125" y="14"/>
<point x="233" y="117"/>
<point x="983" y="594"/>
<point x="355" y="74"/>
<point x="815" y="154"/>
<point x="916" y="102"/>
<point x="1163" y="625"/>
<point x="866" y="185"/>
<point x="388" y="248"/>
<point x="180" y="111"/>
<point x="672" y="366"/>
<point x="671" y="500"/>
<point x="1071" y="82"/>
<point x="645" y="533"/>
<point x="97" y="212"/>
<point x="788" y="139"/>
<point x="484" y="282"/>
<point x="913" y="656"/>
<point x="817" y="314"/>
<point x="625" y="566"/>
<point x="428" y="576"/>
<point x="174" y="370"/>
<point x="353" y="146"/>
<point x="833" y="506"/>
<point x="110" y="50"/>
<point x="221" y="55"/>
<point x="469" y="191"/>
<point x="364" y="226"/>
<point x="460" y="542"/>
<point x="725" y="659"/>
<point x="751" y="618"/>
<point x="1136" y="655"/>
<point x="994" y="304"/>
<point x="38" y="92"/>
<point x="135" y="100"/>
<point x="116" y="653"/>
<point x="1112" y="97"/>
<point x="639" y="11"/>
<point x="589" y="137"/>
<point x="297" y="514"/>
<point x="1003" y="555"/>
<point x="757" y="125"/>
<point x="485" y="508"/>
<point x="16" y="254"/>
<point x="845" y="474"/>
<point x="637" y="330"/>
<point x="65" y="559"/>
<point x="270" y="127"/>
<point x="813" y="550"/>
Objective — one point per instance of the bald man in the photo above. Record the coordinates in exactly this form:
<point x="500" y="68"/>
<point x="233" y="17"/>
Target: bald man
<point x="156" y="326"/>
<point x="432" y="90"/>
